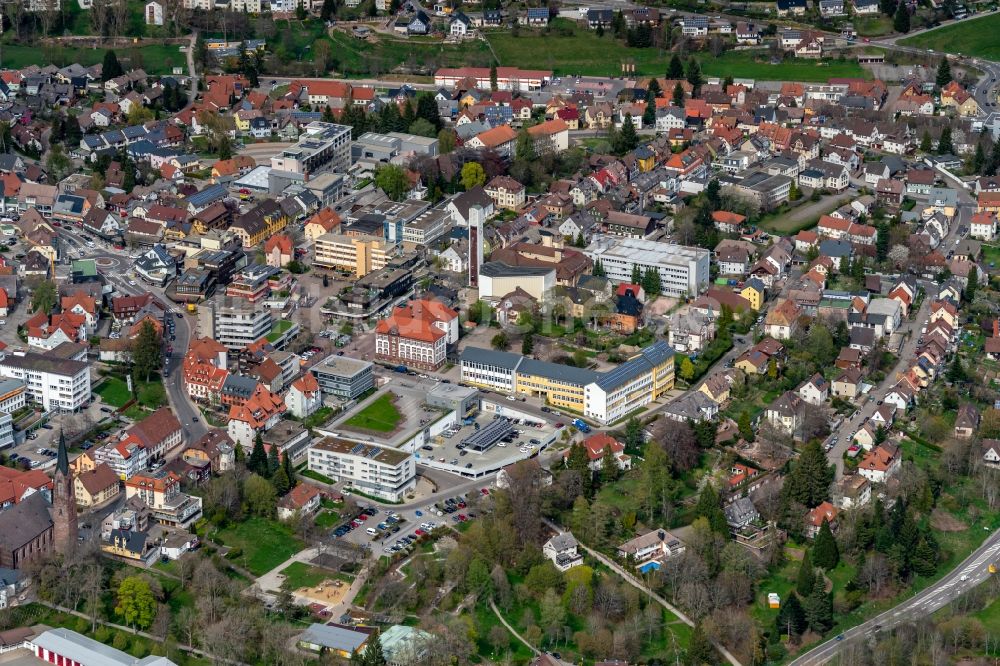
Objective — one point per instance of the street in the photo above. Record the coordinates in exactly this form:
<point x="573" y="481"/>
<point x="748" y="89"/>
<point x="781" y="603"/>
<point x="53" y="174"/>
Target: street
<point x="967" y="575"/>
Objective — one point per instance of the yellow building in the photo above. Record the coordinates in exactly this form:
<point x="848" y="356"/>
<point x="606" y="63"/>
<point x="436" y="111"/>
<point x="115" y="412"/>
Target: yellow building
<point x="601" y="396"/>
<point x="755" y="292"/>
<point x="96" y="486"/>
<point x="358" y="255"/>
<point x="259" y="223"/>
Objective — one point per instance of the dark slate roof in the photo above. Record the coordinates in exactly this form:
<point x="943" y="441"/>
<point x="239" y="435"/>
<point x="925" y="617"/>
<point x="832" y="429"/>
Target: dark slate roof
<point x="24" y="522"/>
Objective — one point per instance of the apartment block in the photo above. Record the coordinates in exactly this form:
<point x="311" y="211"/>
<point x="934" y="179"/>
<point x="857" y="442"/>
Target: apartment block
<point x="374" y="470"/>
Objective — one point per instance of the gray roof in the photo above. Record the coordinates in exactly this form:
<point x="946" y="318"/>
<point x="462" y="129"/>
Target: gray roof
<point x="500" y="269"/>
<point x="333" y="637"/>
<point x="500" y="359"/>
<point x="563" y="541"/>
<point x="650" y="357"/>
<point x="45" y="363"/>
<point x="90" y="652"/>
<point x="559" y="371"/>
<point x="23" y="522"/>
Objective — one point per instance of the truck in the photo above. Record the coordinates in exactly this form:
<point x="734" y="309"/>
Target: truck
<point x="581" y="425"/>
<point x="191" y="307"/>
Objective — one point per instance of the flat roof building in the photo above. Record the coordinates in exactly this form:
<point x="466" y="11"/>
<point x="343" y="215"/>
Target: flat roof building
<point x="321" y="147"/>
<point x="344" y="377"/>
<point x="374" y="470"/>
<point x="683" y="270"/>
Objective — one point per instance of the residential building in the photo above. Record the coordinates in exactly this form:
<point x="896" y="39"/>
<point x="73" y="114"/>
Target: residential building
<point x="304" y="396"/>
<point x="360" y="256"/>
<point x="655" y="545"/>
<point x="562" y="551"/>
<point x="234" y="322"/>
<point x="260" y="412"/>
<point x="96" y="487"/>
<point x="374" y="470"/>
<point x="56" y="383"/>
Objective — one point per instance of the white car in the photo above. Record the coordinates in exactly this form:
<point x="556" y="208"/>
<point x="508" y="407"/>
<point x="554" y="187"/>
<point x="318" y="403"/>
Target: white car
<point x="133" y="283"/>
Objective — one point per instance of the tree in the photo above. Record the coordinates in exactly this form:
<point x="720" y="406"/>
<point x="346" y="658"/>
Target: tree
<point x="373" y="654"/>
<point x="944" y="146"/>
<point x="649" y="113"/>
<point x="809" y="481"/>
<point x="818" y="607"/>
<point x="882" y="241"/>
<point x="677" y="97"/>
<point x="282" y="484"/>
<point x="827" y="555"/>
<point x="500" y="342"/>
<point x="943" y="77"/>
<point x="427" y="109"/>
<point x="524" y="147"/>
<point x="925" y="142"/>
<point x="745" y="426"/>
<point x="135" y="602"/>
<point x="44" y="298"/>
<point x="258" y="457"/>
<point x="628" y="137"/>
<point x="700" y="650"/>
<point x="273" y="461"/>
<point x="477" y="577"/>
<point x="493" y="77"/>
<point x="552" y="613"/>
<point x="694" y="75"/>
<point x="791" y="619"/>
<point x="956" y="373"/>
<point x="636" y="274"/>
<point x="969" y="294"/>
<point x="527" y="344"/>
<point x="888" y="7"/>
<point x="472" y="175"/>
<point x="392" y="180"/>
<point x="675" y="70"/>
<point x="446" y="141"/>
<point x="112" y="68"/>
<point x="901" y="21"/>
<point x="260" y="496"/>
<point x="687" y="368"/>
<point x="421" y="127"/>
<point x="146" y="351"/>
<point x="598" y="270"/>
<point x="328" y="10"/>
<point x="635" y="436"/>
<point x="710" y="507"/>
<point x="806" y="579"/>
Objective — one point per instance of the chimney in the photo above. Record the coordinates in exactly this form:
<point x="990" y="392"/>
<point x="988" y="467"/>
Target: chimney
<point x="996" y="328"/>
<point x="662" y="535"/>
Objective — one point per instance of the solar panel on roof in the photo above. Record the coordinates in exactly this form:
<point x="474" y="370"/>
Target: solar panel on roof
<point x="358" y="448"/>
<point x="372" y="452"/>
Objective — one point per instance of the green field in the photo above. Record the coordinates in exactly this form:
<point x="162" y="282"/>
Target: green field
<point x="154" y="58"/>
<point x="114" y="392"/>
<point x="573" y="50"/>
<point x="974" y="37"/>
<point x="354" y="57"/>
<point x="265" y="543"/>
<point x="380" y="415"/>
<point x="873" y="26"/>
<point x="300" y="574"/>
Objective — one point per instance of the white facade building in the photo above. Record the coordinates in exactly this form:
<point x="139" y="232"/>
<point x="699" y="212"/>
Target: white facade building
<point x="683" y="270"/>
<point x="374" y="470"/>
<point x="57" y="384"/>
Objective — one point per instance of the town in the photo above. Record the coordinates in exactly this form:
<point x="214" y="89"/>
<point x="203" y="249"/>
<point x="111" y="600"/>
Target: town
<point x="391" y="334"/>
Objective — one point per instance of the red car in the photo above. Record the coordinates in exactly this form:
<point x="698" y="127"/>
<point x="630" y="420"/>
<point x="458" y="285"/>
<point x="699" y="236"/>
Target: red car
<point x="559" y="425"/>
<point x="462" y="518"/>
<point x="485" y="491"/>
<point x="461" y="505"/>
<point x="363" y="516"/>
<point x="420" y="533"/>
<point x="56" y="224"/>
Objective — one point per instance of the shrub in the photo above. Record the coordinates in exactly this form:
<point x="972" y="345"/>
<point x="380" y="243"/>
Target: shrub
<point x="120" y="641"/>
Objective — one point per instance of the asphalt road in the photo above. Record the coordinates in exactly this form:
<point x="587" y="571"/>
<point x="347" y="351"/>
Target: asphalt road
<point x="967" y="575"/>
<point x="115" y="265"/>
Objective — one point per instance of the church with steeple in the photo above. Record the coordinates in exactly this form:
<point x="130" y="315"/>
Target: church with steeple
<point x="64" y="525"/>
<point x="42" y="521"/>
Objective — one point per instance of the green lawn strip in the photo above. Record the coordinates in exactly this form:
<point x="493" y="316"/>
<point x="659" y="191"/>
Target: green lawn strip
<point x="114" y="392"/>
<point x="327" y="519"/>
<point x="355" y="57"/>
<point x="485" y="620"/>
<point x="319" y="417"/>
<point x="300" y="574"/>
<point x="278" y="329"/>
<point x="264" y="543"/>
<point x="153" y="58"/>
<point x="380" y="415"/>
<point x="974" y="37"/>
<point x="316" y="476"/>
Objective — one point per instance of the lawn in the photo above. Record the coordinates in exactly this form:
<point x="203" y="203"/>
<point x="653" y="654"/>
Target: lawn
<point x="278" y="329"/>
<point x="991" y="258"/>
<point x="974" y="37"/>
<point x="873" y="26"/>
<point x="327" y="519"/>
<point x="114" y="392"/>
<point x="264" y="543"/>
<point x="300" y="574"/>
<point x="316" y="476"/>
<point x="990" y="617"/>
<point x="567" y="49"/>
<point x="380" y="415"/>
<point x="151" y="394"/>
<point x="319" y="417"/>
<point x="153" y="58"/>
<point x="355" y="57"/>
